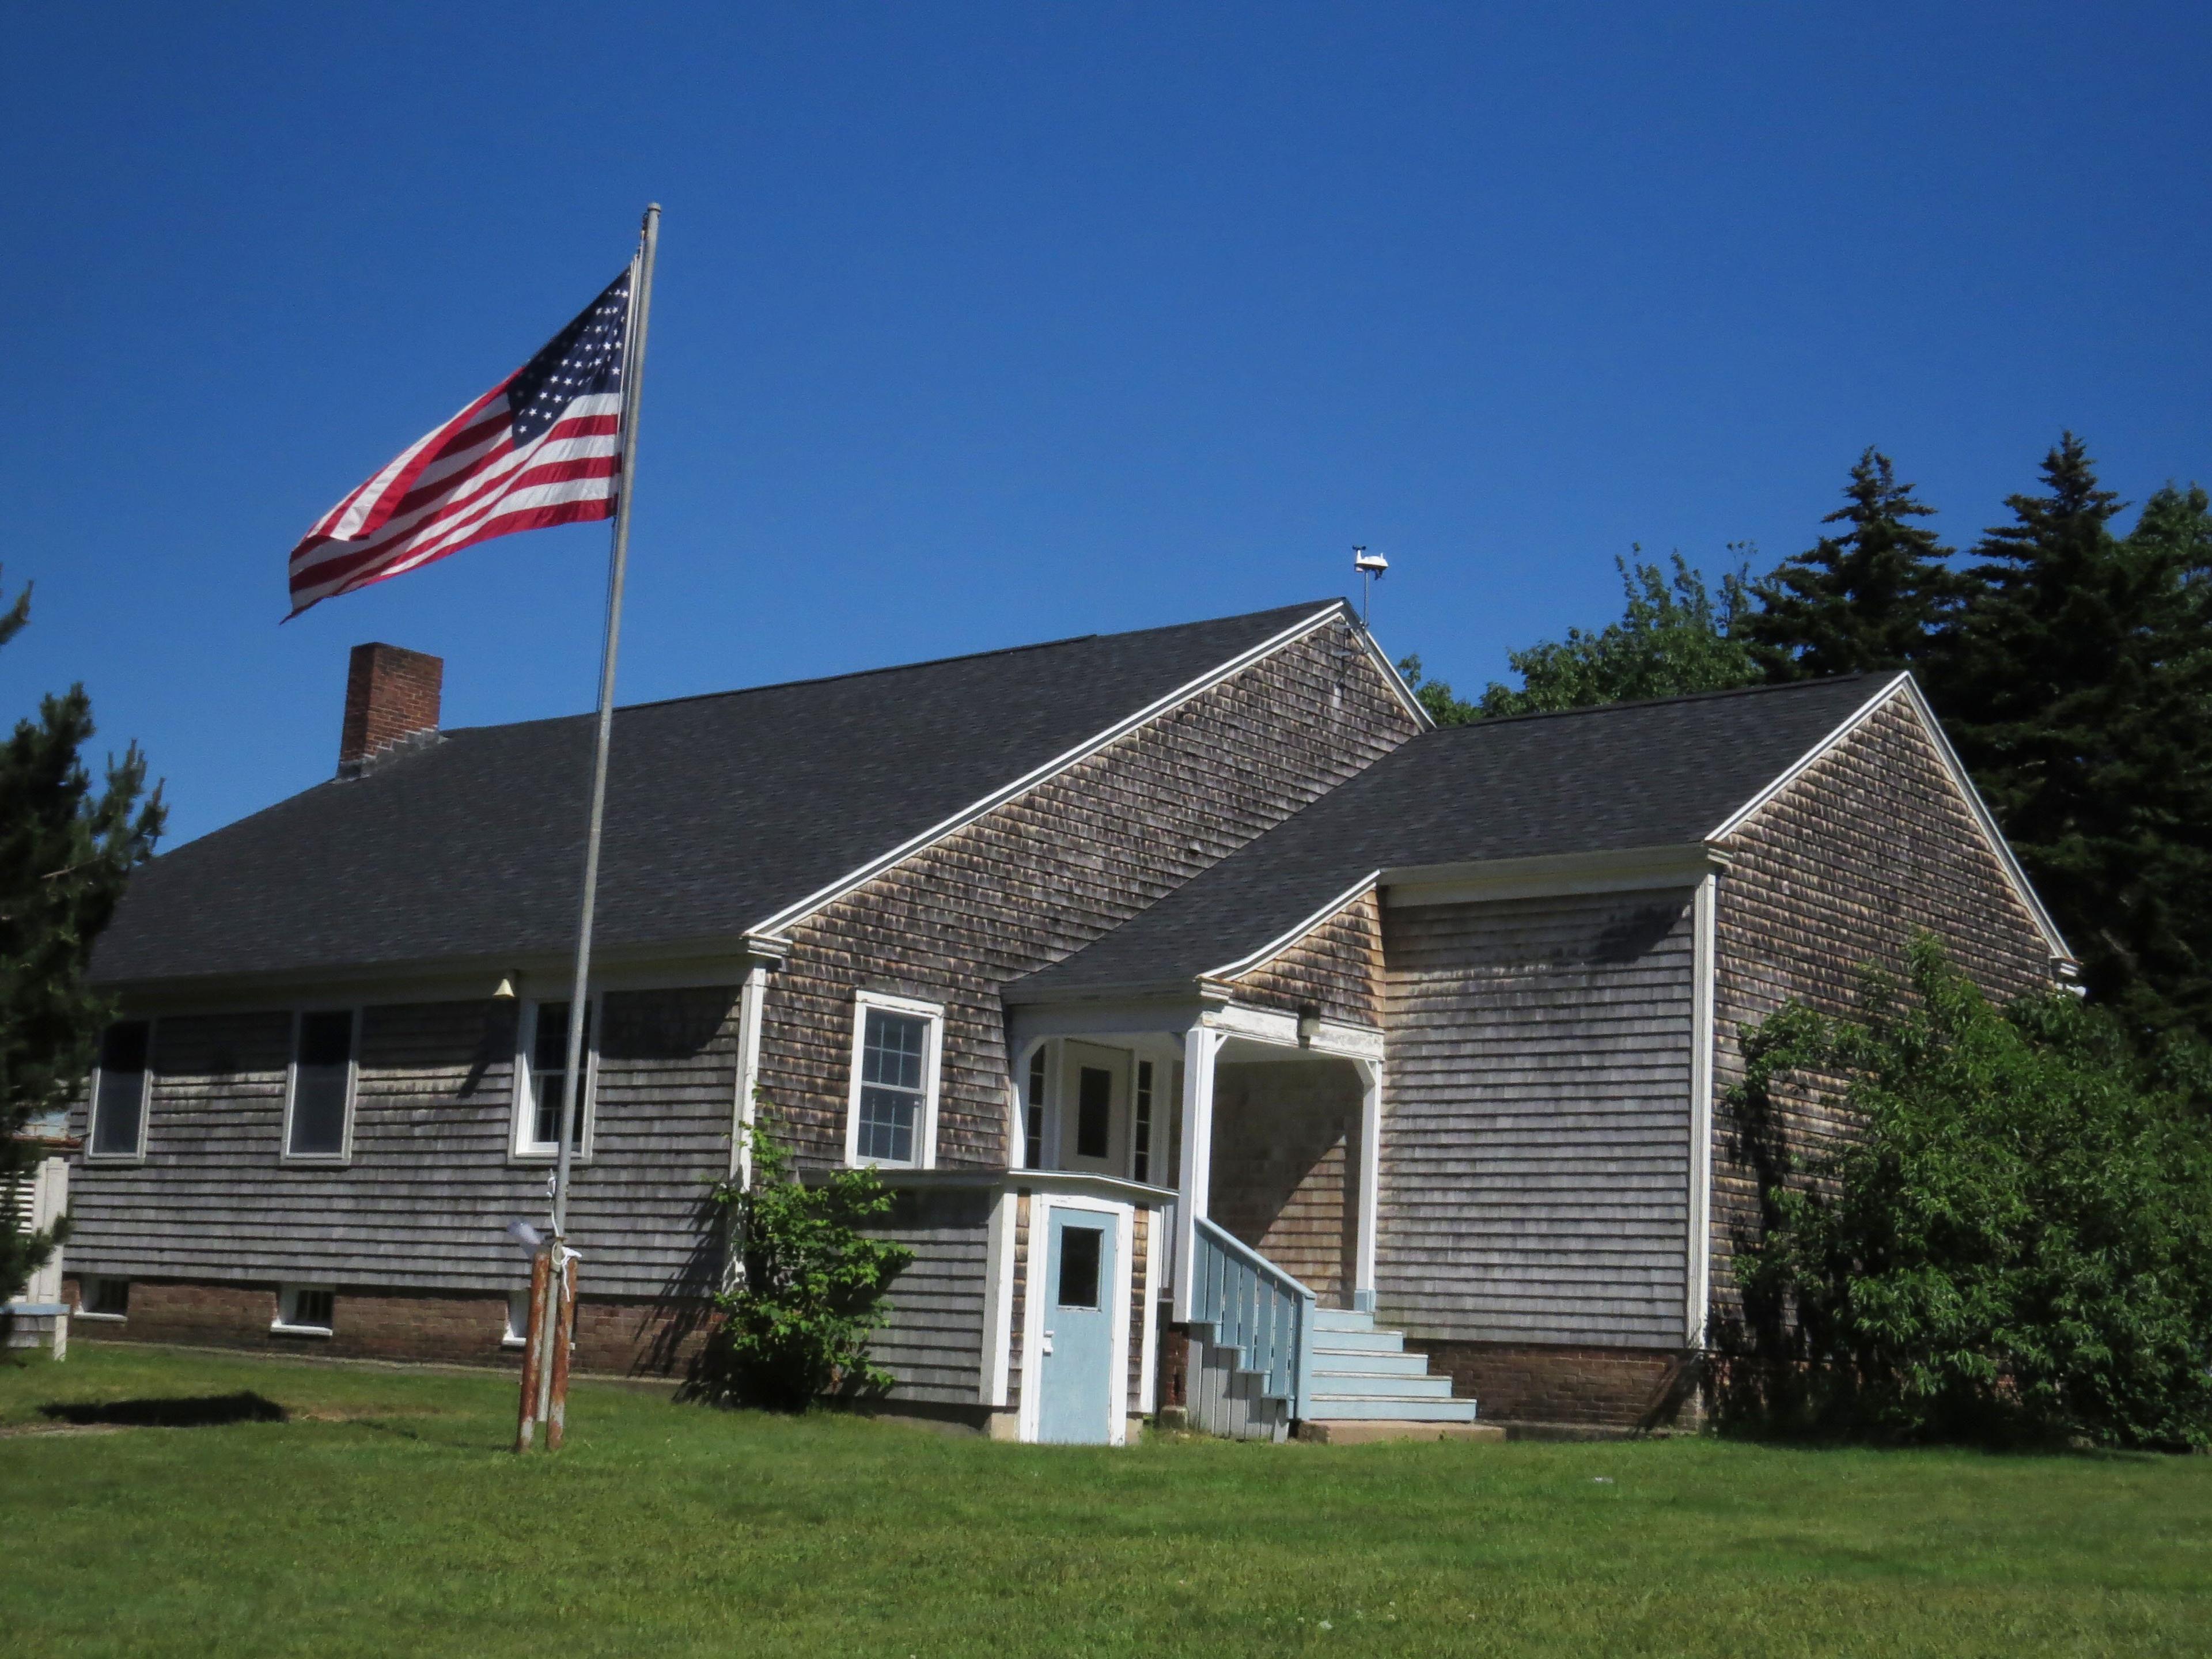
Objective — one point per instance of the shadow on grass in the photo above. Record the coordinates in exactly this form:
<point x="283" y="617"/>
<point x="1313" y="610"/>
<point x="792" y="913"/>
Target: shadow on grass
<point x="207" y="1411"/>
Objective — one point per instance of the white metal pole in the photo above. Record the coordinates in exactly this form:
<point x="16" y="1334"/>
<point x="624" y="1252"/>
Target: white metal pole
<point x="633" y="382"/>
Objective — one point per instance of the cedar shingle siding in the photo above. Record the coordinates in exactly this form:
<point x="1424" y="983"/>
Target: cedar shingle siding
<point x="1055" y="868"/>
<point x="1869" y="844"/>
<point x="430" y="1187"/>
<point x="1535" y="1148"/>
<point x="1337" y="968"/>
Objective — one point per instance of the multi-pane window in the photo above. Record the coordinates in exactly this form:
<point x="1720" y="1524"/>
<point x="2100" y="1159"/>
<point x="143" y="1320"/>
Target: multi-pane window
<point x="322" y="1083"/>
<point x="1140" y="1151"/>
<point x="549" y="1075"/>
<point x="109" y="1298"/>
<point x="119" y="1101"/>
<point x="1033" y="1124"/>
<point x="894" y="1092"/>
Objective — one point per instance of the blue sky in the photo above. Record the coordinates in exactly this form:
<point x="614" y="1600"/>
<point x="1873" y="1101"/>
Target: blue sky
<point x="980" y="325"/>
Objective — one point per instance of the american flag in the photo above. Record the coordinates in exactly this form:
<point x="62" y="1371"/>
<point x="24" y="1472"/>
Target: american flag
<point x="542" y="448"/>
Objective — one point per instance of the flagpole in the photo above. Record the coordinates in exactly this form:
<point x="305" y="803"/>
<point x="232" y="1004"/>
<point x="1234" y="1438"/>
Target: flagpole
<point x="632" y="384"/>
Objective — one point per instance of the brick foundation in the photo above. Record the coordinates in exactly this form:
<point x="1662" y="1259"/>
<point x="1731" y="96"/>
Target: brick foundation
<point x="466" y="1328"/>
<point x="1587" y="1387"/>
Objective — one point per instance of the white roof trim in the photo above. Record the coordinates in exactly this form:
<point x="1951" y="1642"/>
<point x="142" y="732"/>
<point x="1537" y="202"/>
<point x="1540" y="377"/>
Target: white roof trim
<point x="1391" y="677"/>
<point x="793" y="914"/>
<point x="1275" y="947"/>
<point x="1904" y="682"/>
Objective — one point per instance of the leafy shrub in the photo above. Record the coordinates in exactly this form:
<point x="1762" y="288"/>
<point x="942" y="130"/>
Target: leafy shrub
<point x="809" y="1293"/>
<point x="2014" y="1243"/>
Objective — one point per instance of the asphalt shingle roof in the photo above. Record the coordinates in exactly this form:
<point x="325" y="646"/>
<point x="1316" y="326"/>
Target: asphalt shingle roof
<point x="1629" y="775"/>
<point x="721" y="810"/>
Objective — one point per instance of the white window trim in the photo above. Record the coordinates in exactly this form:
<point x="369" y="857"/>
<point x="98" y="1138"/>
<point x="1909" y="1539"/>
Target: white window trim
<point x="925" y="1132"/>
<point x="344" y="1154"/>
<point x="145" y="1109"/>
<point x="522" y="1146"/>
<point x="287" y="1296"/>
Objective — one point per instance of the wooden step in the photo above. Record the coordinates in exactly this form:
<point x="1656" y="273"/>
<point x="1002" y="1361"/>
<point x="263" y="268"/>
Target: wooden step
<point x="1324" y="1407"/>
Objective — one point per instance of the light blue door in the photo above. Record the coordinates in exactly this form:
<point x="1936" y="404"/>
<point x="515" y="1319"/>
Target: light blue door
<point x="1077" y="1393"/>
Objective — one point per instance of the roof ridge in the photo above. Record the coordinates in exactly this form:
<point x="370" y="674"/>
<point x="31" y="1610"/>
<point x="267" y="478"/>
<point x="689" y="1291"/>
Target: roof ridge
<point x="902" y="667"/>
<point x="1657" y="702"/>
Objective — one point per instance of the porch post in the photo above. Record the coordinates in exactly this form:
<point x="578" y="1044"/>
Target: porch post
<point x="1201" y="1045"/>
<point x="1370" y="1183"/>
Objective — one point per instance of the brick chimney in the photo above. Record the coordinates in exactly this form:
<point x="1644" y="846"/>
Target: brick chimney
<point x="391" y="695"/>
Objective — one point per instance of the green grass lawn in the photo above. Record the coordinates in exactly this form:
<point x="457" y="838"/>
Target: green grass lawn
<point x="384" y="1516"/>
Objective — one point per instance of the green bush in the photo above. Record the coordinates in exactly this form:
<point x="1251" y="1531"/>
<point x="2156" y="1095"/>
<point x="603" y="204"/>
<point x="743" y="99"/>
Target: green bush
<point x="808" y="1294"/>
<point x="2016" y="1244"/>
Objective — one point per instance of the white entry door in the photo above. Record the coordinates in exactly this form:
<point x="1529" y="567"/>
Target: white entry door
<point x="1094" y="1109"/>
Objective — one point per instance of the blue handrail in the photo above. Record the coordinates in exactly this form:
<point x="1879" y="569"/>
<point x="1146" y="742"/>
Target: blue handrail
<point x="1255" y="1308"/>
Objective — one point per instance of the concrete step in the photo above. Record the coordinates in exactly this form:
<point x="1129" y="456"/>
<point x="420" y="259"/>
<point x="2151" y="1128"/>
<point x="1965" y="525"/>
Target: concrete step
<point x="1357" y="1431"/>
<point x="1330" y="1359"/>
<point x="1390" y="1408"/>
<point x="1359" y="1341"/>
<point x="1398" y="1385"/>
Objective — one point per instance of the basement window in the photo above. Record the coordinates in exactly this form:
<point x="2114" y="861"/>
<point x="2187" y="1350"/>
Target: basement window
<point x="892" y="1114"/>
<point x="119" y="1089"/>
<point x="305" y="1309"/>
<point x="105" y="1298"/>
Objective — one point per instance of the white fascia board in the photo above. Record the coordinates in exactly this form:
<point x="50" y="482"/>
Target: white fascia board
<point x="1391" y="677"/>
<point x="2060" y="952"/>
<point x="1631" y="869"/>
<point x="1797" y="768"/>
<point x="630" y="971"/>
<point x="1275" y="947"/>
<point x="793" y="914"/>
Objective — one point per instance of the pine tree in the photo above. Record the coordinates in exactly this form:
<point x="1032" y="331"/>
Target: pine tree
<point x="1865" y="600"/>
<point x="1675" y="638"/>
<point x="66" y="852"/>
<point x="2076" y="683"/>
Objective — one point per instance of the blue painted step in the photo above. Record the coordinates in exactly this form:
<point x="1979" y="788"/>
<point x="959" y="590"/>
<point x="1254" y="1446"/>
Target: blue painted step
<point x="1362" y="1374"/>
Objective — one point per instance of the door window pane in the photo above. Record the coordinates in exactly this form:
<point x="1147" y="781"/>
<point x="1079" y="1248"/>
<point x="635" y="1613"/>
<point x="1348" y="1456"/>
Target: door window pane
<point x="1094" y="1112"/>
<point x="118" y="1112"/>
<point x="322" y="1079"/>
<point x="1081" y="1248"/>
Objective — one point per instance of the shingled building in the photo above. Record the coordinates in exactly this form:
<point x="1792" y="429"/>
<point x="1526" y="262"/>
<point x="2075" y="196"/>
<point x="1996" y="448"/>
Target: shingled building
<point x="1238" y="1043"/>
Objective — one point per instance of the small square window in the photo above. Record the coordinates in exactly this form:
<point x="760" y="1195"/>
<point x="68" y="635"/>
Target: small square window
<point x="305" y="1308"/>
<point x="1081" y="1251"/>
<point x="107" y="1298"/>
<point x="518" y="1319"/>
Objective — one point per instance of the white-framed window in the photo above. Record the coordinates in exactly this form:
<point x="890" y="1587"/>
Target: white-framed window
<point x="541" y="1059"/>
<point x="305" y="1310"/>
<point x="102" y="1296"/>
<point x="121" y="1086"/>
<point x="517" y="1334"/>
<point x="891" y="1117"/>
<point x="319" y="1086"/>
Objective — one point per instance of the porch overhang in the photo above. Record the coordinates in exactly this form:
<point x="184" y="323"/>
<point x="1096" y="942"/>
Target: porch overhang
<point x="1174" y="1010"/>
